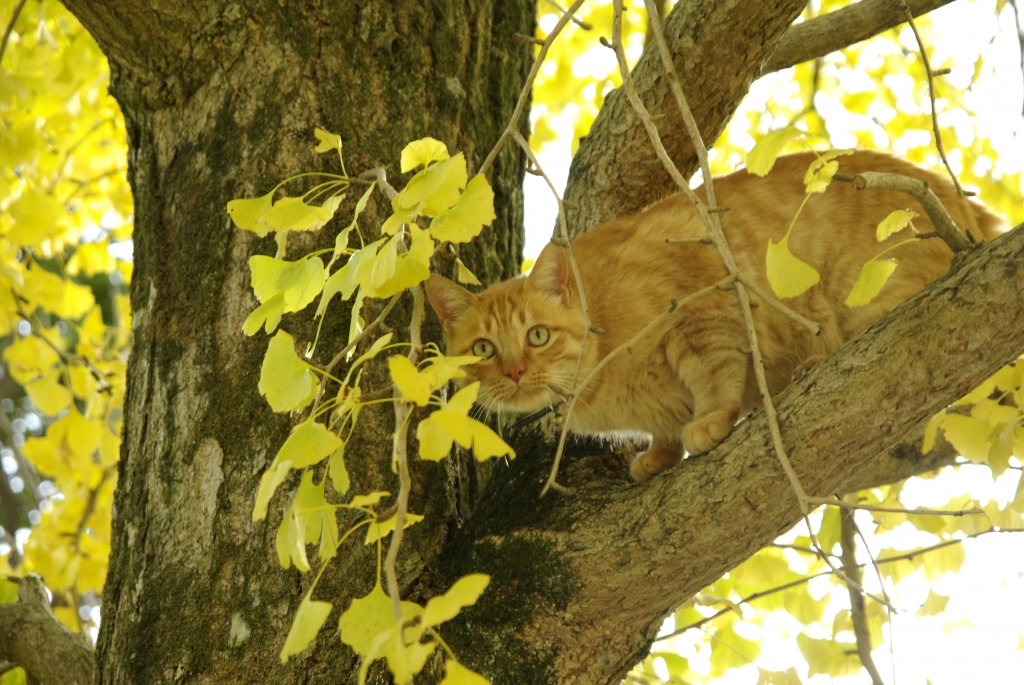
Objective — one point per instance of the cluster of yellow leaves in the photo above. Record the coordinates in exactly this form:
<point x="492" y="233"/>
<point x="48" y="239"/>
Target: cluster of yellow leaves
<point x="458" y="208"/>
<point x="64" y="319"/>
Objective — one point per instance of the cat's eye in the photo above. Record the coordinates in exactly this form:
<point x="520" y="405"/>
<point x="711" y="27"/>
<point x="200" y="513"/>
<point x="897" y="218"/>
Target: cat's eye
<point x="538" y="335"/>
<point x="483" y="348"/>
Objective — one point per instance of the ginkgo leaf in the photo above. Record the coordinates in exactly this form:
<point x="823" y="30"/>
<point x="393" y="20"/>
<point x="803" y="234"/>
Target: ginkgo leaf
<point x="393" y="272"/>
<point x="290" y="542"/>
<point x="341" y="241"/>
<point x="457" y="674"/>
<point x="48" y="395"/>
<point x="43" y="288"/>
<point x="369" y="500"/>
<point x="894" y="223"/>
<point x="465" y="275"/>
<point x="435" y="441"/>
<point x="337" y="471"/>
<point x="422" y="152"/>
<point x="29" y="357"/>
<point x="76" y="302"/>
<point x="292" y="214"/>
<point x="376" y="531"/>
<point x="271" y="276"/>
<point x="821" y="171"/>
<point x="463" y="593"/>
<point x="36" y="216"/>
<point x="271" y="479"/>
<point x="762" y="158"/>
<point x="969" y="436"/>
<point x="309" y="619"/>
<point x="404" y="660"/>
<point x="414" y="385"/>
<point x="286" y="381"/>
<point x="349" y="277"/>
<point x="267" y="316"/>
<point x="401" y="217"/>
<point x="369" y="616"/>
<point x="464" y="221"/>
<point x="445" y="368"/>
<point x="305" y="285"/>
<point x="309" y="443"/>
<point x="788" y="275"/>
<point x="438" y="186"/>
<point x="246" y="213"/>
<point x="328" y="141"/>
<point x="872" y="279"/>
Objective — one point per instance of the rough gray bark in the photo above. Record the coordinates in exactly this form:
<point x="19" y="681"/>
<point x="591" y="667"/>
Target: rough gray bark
<point x="220" y="102"/>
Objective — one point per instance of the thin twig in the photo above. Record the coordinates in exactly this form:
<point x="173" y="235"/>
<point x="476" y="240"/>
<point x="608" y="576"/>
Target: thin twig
<point x="931" y="95"/>
<point x="885" y="594"/>
<point x="579" y="22"/>
<point x="925" y="196"/>
<point x="524" y="96"/>
<point x="10" y="28"/>
<point x="858" y="611"/>
<point x="812" y="326"/>
<point x="852" y="506"/>
<point x="403" y="410"/>
<point x="806" y="579"/>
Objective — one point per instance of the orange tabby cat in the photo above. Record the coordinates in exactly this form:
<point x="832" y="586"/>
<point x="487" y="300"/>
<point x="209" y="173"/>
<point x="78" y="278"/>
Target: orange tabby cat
<point x="689" y="381"/>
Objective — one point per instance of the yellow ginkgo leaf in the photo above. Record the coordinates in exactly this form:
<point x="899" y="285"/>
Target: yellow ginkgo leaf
<point x="309" y="443"/>
<point x="762" y="158"/>
<point x="468" y="432"/>
<point x="305" y="285"/>
<point x="438" y="186"/>
<point x="292" y="214"/>
<point x="37" y="216"/>
<point x="90" y="259"/>
<point x="285" y="380"/>
<point x="457" y="674"/>
<point x="377" y="531"/>
<point x="873" y="276"/>
<point x="310" y="617"/>
<point x="423" y="152"/>
<point x="337" y="471"/>
<point x="405" y="660"/>
<point x="43" y="288"/>
<point x="463" y="593"/>
<point x="271" y="276"/>
<point x="788" y="275"/>
<point x="272" y="478"/>
<point x="465" y="275"/>
<point x="268" y="313"/>
<point x="246" y="214"/>
<point x="369" y="616"/>
<point x="473" y="211"/>
<point x="821" y="171"/>
<point x="369" y="500"/>
<point x="970" y="437"/>
<point x="435" y="441"/>
<point x="401" y="216"/>
<point x="393" y="272"/>
<point x="328" y="141"/>
<point x="345" y="280"/>
<point x="76" y="302"/>
<point x="83" y="383"/>
<point x="48" y="395"/>
<point x="414" y="385"/>
<point x="445" y="368"/>
<point x="341" y="241"/>
<point x="290" y="542"/>
<point x="894" y="223"/>
<point x="29" y="357"/>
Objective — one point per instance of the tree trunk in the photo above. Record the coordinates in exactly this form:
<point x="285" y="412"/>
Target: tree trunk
<point x="221" y="102"/>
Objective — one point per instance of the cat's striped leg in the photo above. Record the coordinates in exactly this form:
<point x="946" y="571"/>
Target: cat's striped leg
<point x="661" y="455"/>
<point x="717" y="381"/>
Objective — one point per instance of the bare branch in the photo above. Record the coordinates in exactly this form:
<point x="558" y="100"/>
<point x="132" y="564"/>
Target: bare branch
<point x="858" y="612"/>
<point x="842" y="28"/>
<point x="31" y="637"/>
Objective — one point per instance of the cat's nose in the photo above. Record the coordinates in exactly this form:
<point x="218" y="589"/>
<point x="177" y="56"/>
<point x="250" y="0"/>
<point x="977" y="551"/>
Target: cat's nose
<point x="515" y="372"/>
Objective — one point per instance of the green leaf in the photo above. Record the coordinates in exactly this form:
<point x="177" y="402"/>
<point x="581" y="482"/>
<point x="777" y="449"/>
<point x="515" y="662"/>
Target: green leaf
<point x="286" y="381"/>
<point x="762" y="158"/>
<point x="872" y="279"/>
<point x="799" y="603"/>
<point x="271" y="479"/>
<point x="345" y="280"/>
<point x="464" y="221"/>
<point x="298" y="282"/>
<point x="246" y="213"/>
<point x="894" y="223"/>
<point x="827" y="657"/>
<point x="310" y="617"/>
<point x="269" y="312"/>
<point x="423" y="152"/>
<point x="368" y="617"/>
<point x="729" y="650"/>
<point x="788" y="275"/>
<point x="339" y="474"/>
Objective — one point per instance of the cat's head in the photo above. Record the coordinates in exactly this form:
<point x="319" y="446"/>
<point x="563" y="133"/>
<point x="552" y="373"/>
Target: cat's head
<point x="528" y="331"/>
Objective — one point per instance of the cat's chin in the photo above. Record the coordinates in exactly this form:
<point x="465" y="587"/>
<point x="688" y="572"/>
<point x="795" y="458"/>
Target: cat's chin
<point x="523" y="402"/>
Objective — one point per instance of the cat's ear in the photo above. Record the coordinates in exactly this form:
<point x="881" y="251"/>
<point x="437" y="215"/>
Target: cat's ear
<point x="550" y="273"/>
<point x="449" y="299"/>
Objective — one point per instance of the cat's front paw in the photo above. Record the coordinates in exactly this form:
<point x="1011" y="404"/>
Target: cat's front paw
<point x="655" y="460"/>
<point x="708" y="431"/>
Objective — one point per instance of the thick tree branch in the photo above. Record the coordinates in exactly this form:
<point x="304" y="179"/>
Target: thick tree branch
<point x="842" y="28"/>
<point x="633" y="553"/>
<point x="31" y="637"/>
